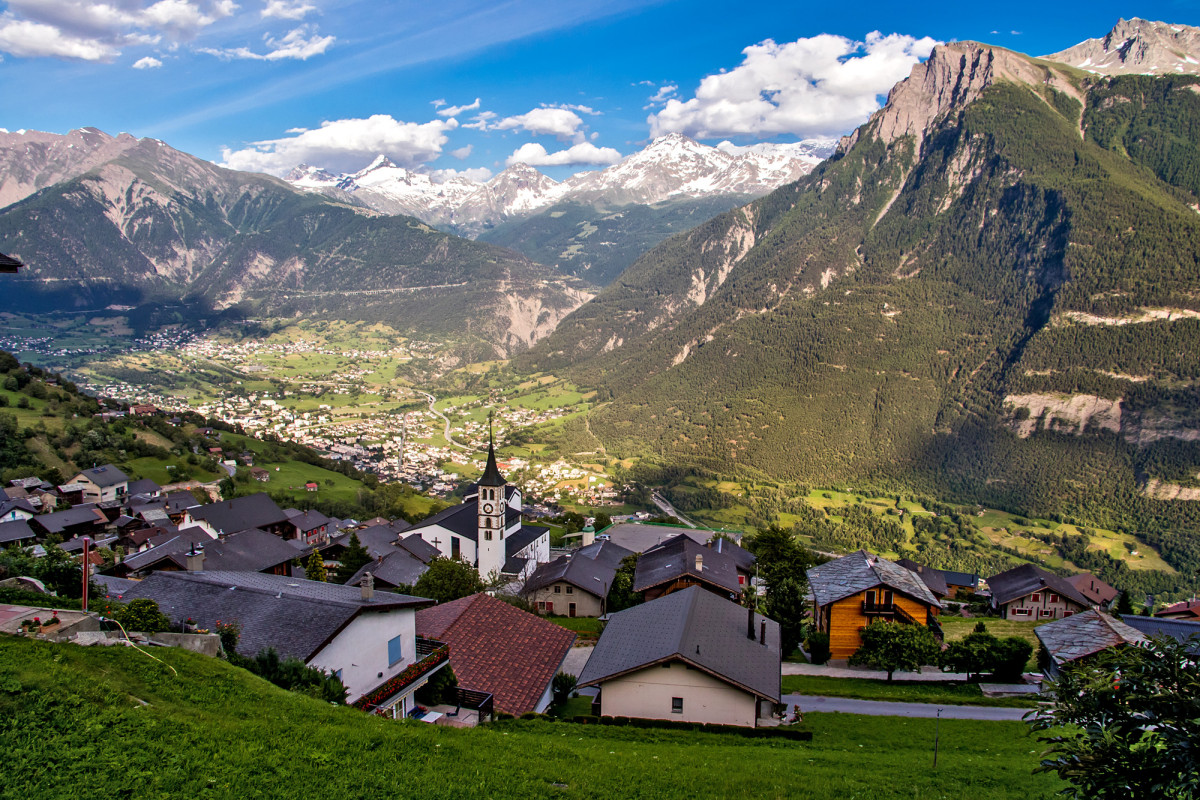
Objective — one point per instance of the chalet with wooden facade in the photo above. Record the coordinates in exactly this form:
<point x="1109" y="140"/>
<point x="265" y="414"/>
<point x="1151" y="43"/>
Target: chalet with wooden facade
<point x="852" y="592"/>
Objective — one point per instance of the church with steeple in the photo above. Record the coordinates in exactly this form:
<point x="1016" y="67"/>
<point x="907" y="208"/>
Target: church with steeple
<point x="486" y="531"/>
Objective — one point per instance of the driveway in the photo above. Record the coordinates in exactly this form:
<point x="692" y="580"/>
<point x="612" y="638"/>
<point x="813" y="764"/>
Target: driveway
<point x="881" y="708"/>
<point x="576" y="659"/>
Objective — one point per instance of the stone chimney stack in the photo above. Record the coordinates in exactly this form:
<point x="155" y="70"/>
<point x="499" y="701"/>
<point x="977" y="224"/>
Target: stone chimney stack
<point x="195" y="558"/>
<point x="368" y="587"/>
<point x="762" y="632"/>
<point x="589" y="535"/>
<point x="699" y="562"/>
<point x="750" y="624"/>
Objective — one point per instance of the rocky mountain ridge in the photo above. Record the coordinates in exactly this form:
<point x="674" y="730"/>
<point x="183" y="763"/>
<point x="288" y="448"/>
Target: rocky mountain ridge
<point x="1137" y="46"/>
<point x="672" y="167"/>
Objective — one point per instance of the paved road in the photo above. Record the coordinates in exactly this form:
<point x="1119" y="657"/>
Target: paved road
<point x="445" y="419"/>
<point x="668" y="509"/>
<point x="880" y="708"/>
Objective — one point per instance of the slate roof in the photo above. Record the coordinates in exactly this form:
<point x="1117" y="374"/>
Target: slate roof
<point x="1179" y="629"/>
<point x="522" y="538"/>
<point x="398" y="568"/>
<point x="144" y="486"/>
<point x="640" y="538"/>
<point x="59" y="521"/>
<point x="418" y="547"/>
<point x="296" y="617"/>
<point x="113" y="586"/>
<point x="743" y="559"/>
<point x="590" y="569"/>
<point x="309" y="520"/>
<point x="252" y="511"/>
<point x="105" y="476"/>
<point x="693" y="626"/>
<point x="498" y="648"/>
<point x="857" y="572"/>
<point x="968" y="579"/>
<point x="18" y="504"/>
<point x="16" y="531"/>
<point x="931" y="577"/>
<point x="1185" y="608"/>
<point x="1083" y="634"/>
<point x="378" y="540"/>
<point x="676" y="558"/>
<point x="461" y="519"/>
<point x="179" y="501"/>
<point x="246" y="551"/>
<point x="1095" y="590"/>
<point x="1025" y="579"/>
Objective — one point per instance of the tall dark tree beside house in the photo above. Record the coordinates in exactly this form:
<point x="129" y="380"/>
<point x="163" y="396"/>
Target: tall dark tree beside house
<point x="620" y="594"/>
<point x="781" y="563"/>
<point x="1124" y="603"/>
<point x="354" y="558"/>
<point x="1126" y="724"/>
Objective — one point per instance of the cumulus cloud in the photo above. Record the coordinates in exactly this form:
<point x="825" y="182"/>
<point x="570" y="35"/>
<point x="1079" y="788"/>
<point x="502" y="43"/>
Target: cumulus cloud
<point x="474" y="174"/>
<point x="147" y="63"/>
<point x="561" y="123"/>
<point x="665" y="92"/>
<point x="300" y="43"/>
<point x="480" y="121"/>
<point x="96" y="31"/>
<point x="462" y="152"/>
<point x="535" y="155"/>
<point x="287" y="9"/>
<point x="454" y="111"/>
<point x="817" y="86"/>
<point x="345" y="145"/>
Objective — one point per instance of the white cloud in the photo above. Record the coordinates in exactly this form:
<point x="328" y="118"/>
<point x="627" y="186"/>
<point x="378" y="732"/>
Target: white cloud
<point x="535" y="155"/>
<point x="346" y="145"/>
<point x="454" y="111"/>
<point x="96" y="31"/>
<point x="558" y="122"/>
<point x="480" y="121"/>
<point x="818" y="86"/>
<point x="572" y="107"/>
<point x="33" y="39"/>
<point x="441" y="101"/>
<point x="462" y="152"/>
<point x="666" y="91"/>
<point x="287" y="9"/>
<point x="147" y="63"/>
<point x="300" y="43"/>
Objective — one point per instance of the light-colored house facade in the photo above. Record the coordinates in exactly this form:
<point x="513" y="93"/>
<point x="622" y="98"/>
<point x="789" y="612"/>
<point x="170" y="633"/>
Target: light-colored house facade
<point x="1043" y="604"/>
<point x="677" y="691"/>
<point x="568" y="600"/>
<point x="102" y="484"/>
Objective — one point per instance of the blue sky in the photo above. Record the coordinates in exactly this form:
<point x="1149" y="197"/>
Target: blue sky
<point x="565" y="84"/>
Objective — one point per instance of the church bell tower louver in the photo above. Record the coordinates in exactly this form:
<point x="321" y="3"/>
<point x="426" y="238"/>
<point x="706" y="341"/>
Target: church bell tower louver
<point x="491" y="514"/>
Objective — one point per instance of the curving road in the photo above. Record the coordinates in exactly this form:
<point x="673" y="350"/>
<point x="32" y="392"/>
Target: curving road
<point x="445" y="421"/>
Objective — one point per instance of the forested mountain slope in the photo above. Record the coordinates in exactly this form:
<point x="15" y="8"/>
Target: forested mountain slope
<point x="991" y="290"/>
<point x="156" y="224"/>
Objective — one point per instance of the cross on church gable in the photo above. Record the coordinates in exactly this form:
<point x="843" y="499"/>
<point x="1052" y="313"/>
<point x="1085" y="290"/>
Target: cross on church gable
<point x="436" y="542"/>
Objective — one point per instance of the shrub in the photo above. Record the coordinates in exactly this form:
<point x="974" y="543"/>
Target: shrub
<point x="818" y="647"/>
<point x="1010" y="655"/>
<point x="562" y="686"/>
<point x="142" y="615"/>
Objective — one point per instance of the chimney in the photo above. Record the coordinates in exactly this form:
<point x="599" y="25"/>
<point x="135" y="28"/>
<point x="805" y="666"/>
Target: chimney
<point x="699" y="562"/>
<point x="589" y="535"/>
<point x="368" y="587"/>
<point x="195" y="558"/>
<point x="750" y="624"/>
<point x="762" y="632"/>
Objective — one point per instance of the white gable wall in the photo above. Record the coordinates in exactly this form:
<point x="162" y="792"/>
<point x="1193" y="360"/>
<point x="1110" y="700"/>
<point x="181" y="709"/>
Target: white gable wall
<point x="360" y="651"/>
<point x="648" y="692"/>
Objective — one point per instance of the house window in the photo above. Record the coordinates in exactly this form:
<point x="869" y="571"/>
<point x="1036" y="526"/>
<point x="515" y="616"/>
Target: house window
<point x="1053" y="598"/>
<point x="558" y="590"/>
<point x="455" y="547"/>
<point x="676" y="705"/>
<point x="395" y="650"/>
<point x="487" y="536"/>
<point x="541" y="605"/>
<point x="1046" y="612"/>
<point x="1020" y="612"/>
<point x="666" y="665"/>
<point x="1036" y="597"/>
<point x="741" y="580"/>
<point x="570" y="590"/>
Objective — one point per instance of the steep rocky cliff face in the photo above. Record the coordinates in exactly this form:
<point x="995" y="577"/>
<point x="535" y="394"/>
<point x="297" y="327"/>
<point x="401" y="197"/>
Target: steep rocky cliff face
<point x="932" y="305"/>
<point x="1137" y="46"/>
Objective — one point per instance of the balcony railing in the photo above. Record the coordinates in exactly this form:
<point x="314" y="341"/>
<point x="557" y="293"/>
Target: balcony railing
<point x="878" y="608"/>
<point x="932" y="623"/>
<point x="431" y="654"/>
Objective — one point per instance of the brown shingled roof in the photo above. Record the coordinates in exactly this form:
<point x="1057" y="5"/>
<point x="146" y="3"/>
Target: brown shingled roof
<point x="498" y="648"/>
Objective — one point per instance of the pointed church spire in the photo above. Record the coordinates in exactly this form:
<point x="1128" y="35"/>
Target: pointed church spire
<point x="491" y="473"/>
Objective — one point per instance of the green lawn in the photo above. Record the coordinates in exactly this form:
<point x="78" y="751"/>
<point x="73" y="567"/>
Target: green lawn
<point x="954" y="694"/>
<point x="573" y="707"/>
<point x="582" y="625"/>
<point x="112" y="722"/>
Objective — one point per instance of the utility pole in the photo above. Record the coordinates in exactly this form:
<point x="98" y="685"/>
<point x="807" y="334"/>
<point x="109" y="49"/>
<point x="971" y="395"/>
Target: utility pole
<point x="936" y="735"/>
<point x="86" y="569"/>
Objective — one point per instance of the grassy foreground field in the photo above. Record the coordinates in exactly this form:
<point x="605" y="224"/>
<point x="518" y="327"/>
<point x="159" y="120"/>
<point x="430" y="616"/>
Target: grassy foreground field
<point x="899" y="690"/>
<point x="110" y="722"/>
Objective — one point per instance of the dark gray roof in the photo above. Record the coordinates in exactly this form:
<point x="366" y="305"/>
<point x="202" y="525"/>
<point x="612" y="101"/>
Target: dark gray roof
<point x="59" y="521"/>
<point x="1026" y="579"/>
<point x="19" y="504"/>
<point x="522" y="538"/>
<point x="515" y="565"/>
<point x="742" y="558"/>
<point x="144" y="486"/>
<point x="491" y="472"/>
<point x="953" y="578"/>
<point x="9" y="264"/>
<point x="309" y="520"/>
<point x="15" y="531"/>
<point x="1179" y="629"/>
<point x="246" y="551"/>
<point x="75" y="544"/>
<point x="697" y="627"/>
<point x="105" y="476"/>
<point x="640" y="538"/>
<point x="113" y="586"/>
<point x="252" y="511"/>
<point x="398" y="568"/>
<point x="421" y="549"/>
<point x="462" y="519"/>
<point x="1083" y="634"/>
<point x="178" y="501"/>
<point x="589" y="568"/>
<point x="857" y="572"/>
<point x="676" y="558"/>
<point x="932" y="578"/>
<point x="296" y="617"/>
<point x="378" y="540"/>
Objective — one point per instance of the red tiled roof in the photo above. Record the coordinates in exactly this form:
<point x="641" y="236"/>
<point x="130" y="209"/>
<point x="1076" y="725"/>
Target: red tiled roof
<point x="1186" y="609"/>
<point x="498" y="648"/>
<point x="1093" y="588"/>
